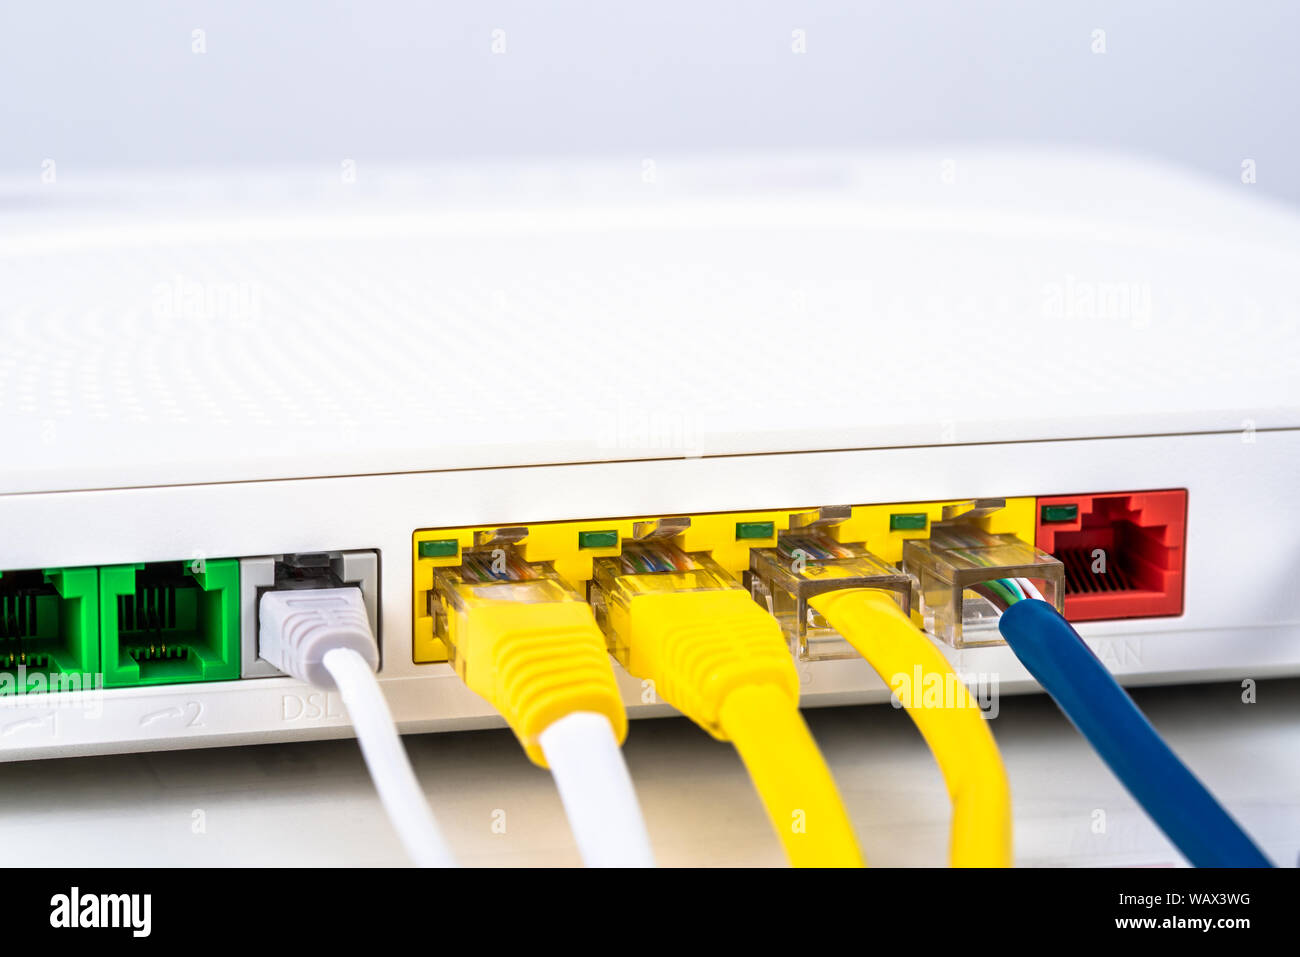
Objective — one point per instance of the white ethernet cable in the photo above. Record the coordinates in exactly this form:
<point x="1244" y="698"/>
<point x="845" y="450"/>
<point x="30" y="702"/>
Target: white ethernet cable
<point x="596" y="790"/>
<point x="530" y="646"/>
<point x="322" y="636"/>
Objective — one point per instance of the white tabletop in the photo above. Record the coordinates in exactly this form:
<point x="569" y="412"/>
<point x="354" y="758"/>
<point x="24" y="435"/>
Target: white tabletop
<point x="312" y="804"/>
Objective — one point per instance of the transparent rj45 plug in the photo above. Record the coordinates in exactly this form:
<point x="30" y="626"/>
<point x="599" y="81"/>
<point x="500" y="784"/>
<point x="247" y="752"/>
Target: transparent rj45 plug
<point x="960" y="557"/>
<point x="784" y="578"/>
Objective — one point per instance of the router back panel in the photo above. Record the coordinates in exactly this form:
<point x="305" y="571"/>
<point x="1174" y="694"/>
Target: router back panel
<point x="1238" y="620"/>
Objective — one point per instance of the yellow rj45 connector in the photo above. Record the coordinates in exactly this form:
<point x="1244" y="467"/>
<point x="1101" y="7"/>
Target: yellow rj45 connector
<point x="520" y="636"/>
<point x="681" y="621"/>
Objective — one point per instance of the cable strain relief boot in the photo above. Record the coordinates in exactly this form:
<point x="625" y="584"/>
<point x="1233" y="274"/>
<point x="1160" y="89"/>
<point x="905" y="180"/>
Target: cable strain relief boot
<point x="537" y="663"/>
<point x="701" y="646"/>
<point x="298" y="626"/>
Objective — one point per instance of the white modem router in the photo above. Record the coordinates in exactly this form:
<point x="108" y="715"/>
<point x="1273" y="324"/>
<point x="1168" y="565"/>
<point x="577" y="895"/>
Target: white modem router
<point x="202" y="376"/>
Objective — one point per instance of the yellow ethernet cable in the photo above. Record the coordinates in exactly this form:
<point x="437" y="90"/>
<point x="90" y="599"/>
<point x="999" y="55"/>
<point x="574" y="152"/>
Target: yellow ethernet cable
<point x="956" y="732"/>
<point x="682" y="622"/>
<point x="522" y="638"/>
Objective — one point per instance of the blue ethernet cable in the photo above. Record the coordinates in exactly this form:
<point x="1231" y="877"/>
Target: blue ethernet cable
<point x="1121" y="735"/>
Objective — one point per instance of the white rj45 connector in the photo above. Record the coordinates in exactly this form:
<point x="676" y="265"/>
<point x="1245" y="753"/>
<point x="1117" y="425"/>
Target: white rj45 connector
<point x="298" y="626"/>
<point x="323" y="636"/>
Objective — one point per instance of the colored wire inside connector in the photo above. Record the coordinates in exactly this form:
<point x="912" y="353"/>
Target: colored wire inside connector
<point x="647" y="559"/>
<point x="1005" y="593"/>
<point x="814" y="548"/>
<point x="1107" y="717"/>
<point x="487" y="567"/>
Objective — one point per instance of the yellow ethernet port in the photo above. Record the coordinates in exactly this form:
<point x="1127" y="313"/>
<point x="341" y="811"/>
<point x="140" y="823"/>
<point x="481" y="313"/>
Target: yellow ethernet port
<point x="726" y="537"/>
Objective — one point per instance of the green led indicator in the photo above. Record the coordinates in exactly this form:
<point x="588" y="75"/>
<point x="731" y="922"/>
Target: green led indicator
<point x="908" y="522"/>
<point x="604" y="539"/>
<point x="746" y="530"/>
<point x="1060" y="513"/>
<point x="440" y="548"/>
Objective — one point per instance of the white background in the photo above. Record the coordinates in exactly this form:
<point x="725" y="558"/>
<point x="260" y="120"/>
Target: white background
<point x="95" y="85"/>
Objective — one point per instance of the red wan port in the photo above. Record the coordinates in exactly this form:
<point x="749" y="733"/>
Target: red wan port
<point x="1123" y="552"/>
